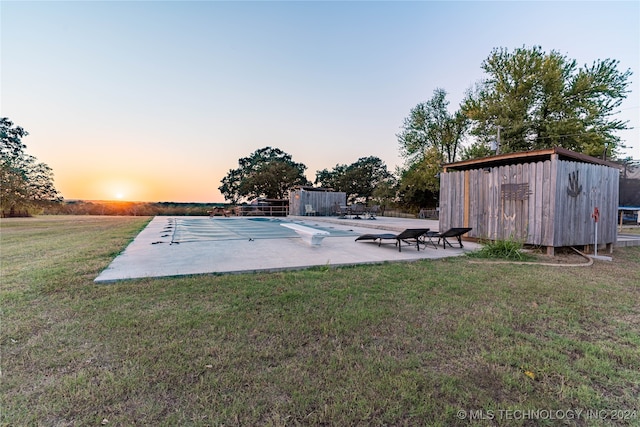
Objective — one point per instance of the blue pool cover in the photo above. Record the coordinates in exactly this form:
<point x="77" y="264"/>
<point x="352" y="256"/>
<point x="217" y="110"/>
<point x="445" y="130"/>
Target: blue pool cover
<point x="184" y="230"/>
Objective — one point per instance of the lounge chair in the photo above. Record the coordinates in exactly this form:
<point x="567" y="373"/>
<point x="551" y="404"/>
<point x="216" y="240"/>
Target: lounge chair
<point x="452" y="232"/>
<point x="340" y="210"/>
<point x="336" y="210"/>
<point x="308" y="210"/>
<point x="410" y="236"/>
<point x="356" y="210"/>
<point x="373" y="211"/>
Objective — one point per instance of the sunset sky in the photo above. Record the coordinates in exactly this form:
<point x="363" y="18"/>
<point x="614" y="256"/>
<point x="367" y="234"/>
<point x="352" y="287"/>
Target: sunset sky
<point x="157" y="100"/>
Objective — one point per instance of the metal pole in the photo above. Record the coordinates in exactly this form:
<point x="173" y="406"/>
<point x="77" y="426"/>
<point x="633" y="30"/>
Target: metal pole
<point x="595" y="249"/>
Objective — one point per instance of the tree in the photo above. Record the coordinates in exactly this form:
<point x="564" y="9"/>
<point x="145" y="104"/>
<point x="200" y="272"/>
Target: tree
<point x="543" y="100"/>
<point x="334" y="178"/>
<point x="430" y="136"/>
<point x="431" y="125"/>
<point x="385" y="193"/>
<point x="359" y="180"/>
<point x="268" y="172"/>
<point x="475" y="150"/>
<point x="24" y="182"/>
<point x="419" y="183"/>
<point x="230" y="187"/>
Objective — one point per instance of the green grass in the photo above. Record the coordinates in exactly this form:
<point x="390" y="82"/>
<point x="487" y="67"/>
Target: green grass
<point x="391" y="344"/>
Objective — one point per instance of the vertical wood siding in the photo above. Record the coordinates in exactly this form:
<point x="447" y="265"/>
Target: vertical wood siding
<point x="321" y="201"/>
<point x="533" y="202"/>
<point x="597" y="187"/>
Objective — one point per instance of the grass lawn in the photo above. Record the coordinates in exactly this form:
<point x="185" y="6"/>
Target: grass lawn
<point x="424" y="343"/>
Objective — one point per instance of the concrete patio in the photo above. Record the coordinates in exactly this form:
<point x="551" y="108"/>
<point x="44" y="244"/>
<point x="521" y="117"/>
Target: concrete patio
<point x="152" y="253"/>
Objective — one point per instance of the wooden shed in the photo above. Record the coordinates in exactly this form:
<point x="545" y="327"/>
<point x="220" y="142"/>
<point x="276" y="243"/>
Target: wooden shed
<point x="544" y="198"/>
<point x="322" y="200"/>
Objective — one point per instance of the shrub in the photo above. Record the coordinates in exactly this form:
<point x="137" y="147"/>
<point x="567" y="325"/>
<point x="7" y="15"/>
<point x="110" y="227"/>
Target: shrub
<point x="509" y="249"/>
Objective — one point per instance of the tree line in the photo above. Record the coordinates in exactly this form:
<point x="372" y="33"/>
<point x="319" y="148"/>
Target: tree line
<point x="528" y="99"/>
<point x="270" y="173"/>
<point x="125" y="208"/>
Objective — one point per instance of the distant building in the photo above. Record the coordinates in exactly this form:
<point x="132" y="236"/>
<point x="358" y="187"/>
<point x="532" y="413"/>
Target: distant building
<point x="629" y="205"/>
<point x="630" y="184"/>
<point x="321" y="200"/>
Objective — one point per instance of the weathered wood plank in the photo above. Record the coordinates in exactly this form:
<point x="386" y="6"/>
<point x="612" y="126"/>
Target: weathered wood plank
<point x="466" y="199"/>
<point x="547" y="220"/>
<point x="525" y="235"/>
<point x="445" y="191"/>
<point x="519" y="210"/>
<point x="481" y="222"/>
<point x="538" y="203"/>
<point x="459" y="201"/>
<point x="555" y="212"/>
<point x="553" y="179"/>
<point x="472" y="189"/>
<point x="533" y="190"/>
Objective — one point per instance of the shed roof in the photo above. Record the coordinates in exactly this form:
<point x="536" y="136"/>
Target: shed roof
<point x="526" y="157"/>
<point x="309" y="188"/>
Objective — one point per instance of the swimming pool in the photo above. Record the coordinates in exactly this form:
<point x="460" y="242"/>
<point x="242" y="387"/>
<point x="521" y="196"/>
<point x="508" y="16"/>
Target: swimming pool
<point x="183" y="230"/>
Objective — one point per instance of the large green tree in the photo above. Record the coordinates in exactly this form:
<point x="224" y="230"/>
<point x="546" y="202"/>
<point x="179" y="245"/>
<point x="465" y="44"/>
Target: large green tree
<point x="359" y="179"/>
<point x="419" y="182"/>
<point x="25" y="183"/>
<point x="332" y="178"/>
<point x="267" y="172"/>
<point x="430" y="136"/>
<point x="542" y="100"/>
<point x="431" y="125"/>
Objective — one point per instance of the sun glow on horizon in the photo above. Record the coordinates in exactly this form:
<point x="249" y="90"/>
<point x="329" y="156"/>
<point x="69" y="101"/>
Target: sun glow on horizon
<point x="102" y="186"/>
<point x="132" y="188"/>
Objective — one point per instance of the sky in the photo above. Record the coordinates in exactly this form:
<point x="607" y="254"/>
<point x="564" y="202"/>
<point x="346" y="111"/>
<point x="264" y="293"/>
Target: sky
<point x="157" y="100"/>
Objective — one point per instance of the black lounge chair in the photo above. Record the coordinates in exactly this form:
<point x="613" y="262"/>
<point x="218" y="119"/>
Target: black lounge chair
<point x="356" y="210"/>
<point x="409" y="236"/>
<point x="340" y="211"/>
<point x="372" y="212"/>
<point x="452" y="232"/>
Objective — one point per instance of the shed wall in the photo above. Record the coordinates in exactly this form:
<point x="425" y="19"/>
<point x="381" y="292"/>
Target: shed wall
<point x="321" y="201"/>
<point x="581" y="188"/>
<point x="531" y="202"/>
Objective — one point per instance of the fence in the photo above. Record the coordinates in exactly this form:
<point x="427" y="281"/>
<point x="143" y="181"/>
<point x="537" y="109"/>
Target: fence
<point x="250" y="210"/>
